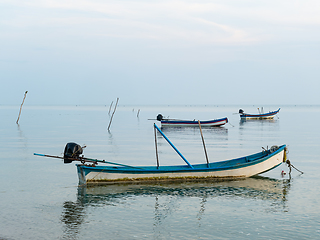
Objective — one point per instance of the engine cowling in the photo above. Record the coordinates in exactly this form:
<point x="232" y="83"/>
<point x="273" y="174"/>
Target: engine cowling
<point x="159" y="117"/>
<point x="72" y="151"/>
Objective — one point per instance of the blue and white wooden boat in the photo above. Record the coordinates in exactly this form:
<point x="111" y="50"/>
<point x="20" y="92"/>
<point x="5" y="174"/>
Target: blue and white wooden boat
<point x="269" y="115"/>
<point x="236" y="168"/>
<point x="242" y="167"/>
<point x="191" y="123"/>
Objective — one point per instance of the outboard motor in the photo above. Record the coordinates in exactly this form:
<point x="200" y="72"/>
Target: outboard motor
<point x="241" y="111"/>
<point x="72" y="151"/>
<point x="159" y="117"/>
<point x="274" y="148"/>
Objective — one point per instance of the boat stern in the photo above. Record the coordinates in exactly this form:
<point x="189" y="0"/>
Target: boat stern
<point x="285" y="154"/>
<point x="81" y="174"/>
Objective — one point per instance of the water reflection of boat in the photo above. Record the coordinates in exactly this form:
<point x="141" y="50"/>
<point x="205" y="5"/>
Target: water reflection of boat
<point x="74" y="214"/>
<point x="195" y="130"/>
<point x="256" y="187"/>
<point x="245" y="120"/>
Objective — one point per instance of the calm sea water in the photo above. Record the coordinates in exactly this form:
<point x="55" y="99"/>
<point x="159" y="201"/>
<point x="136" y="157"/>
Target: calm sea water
<point x="40" y="197"/>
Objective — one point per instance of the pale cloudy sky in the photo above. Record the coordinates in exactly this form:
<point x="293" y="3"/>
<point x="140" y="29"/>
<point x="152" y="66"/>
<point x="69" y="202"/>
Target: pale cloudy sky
<point x="160" y="52"/>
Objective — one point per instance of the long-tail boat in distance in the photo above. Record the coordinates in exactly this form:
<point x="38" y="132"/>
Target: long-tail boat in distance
<point x="166" y="122"/>
<point x="261" y="115"/>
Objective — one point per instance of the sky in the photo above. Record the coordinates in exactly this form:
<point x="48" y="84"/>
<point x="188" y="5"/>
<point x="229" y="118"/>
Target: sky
<point x="185" y="52"/>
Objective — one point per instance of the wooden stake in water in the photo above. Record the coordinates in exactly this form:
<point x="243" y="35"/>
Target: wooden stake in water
<point x="138" y="113"/>
<point x="204" y="145"/>
<point x="110" y="107"/>
<point x="25" y="94"/>
<point x="115" y="107"/>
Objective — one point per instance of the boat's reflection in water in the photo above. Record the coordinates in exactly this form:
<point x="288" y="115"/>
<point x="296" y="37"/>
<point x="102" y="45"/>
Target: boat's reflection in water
<point x="73" y="216"/>
<point x="259" y="121"/>
<point x="195" y="130"/>
<point x="193" y="133"/>
<point x="260" y="188"/>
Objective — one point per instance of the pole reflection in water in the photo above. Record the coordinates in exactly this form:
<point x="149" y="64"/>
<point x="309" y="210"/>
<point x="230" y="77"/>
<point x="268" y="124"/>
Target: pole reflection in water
<point x="167" y="198"/>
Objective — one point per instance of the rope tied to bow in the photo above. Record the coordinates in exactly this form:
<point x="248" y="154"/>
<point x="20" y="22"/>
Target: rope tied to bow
<point x="290" y="165"/>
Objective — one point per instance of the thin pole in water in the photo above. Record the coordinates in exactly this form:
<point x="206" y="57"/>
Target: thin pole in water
<point x="110" y="107"/>
<point x="115" y="107"/>
<point x="25" y="94"/>
<point x="156" y="144"/>
<point x="204" y="145"/>
<point x="138" y="113"/>
<point x="173" y="146"/>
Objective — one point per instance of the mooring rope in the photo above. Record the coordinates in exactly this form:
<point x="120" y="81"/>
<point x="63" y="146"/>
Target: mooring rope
<point x="230" y="124"/>
<point x="290" y="165"/>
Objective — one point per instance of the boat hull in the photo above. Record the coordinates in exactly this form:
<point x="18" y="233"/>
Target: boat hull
<point x="237" y="168"/>
<point x="186" y="123"/>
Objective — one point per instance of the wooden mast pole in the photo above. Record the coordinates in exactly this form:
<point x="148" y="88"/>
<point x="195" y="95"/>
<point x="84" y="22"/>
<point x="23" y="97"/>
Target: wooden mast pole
<point x="204" y="145"/>
<point x="156" y="144"/>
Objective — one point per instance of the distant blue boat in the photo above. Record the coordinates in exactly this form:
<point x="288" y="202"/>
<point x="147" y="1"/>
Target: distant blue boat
<point x="269" y="115"/>
<point x="192" y="123"/>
